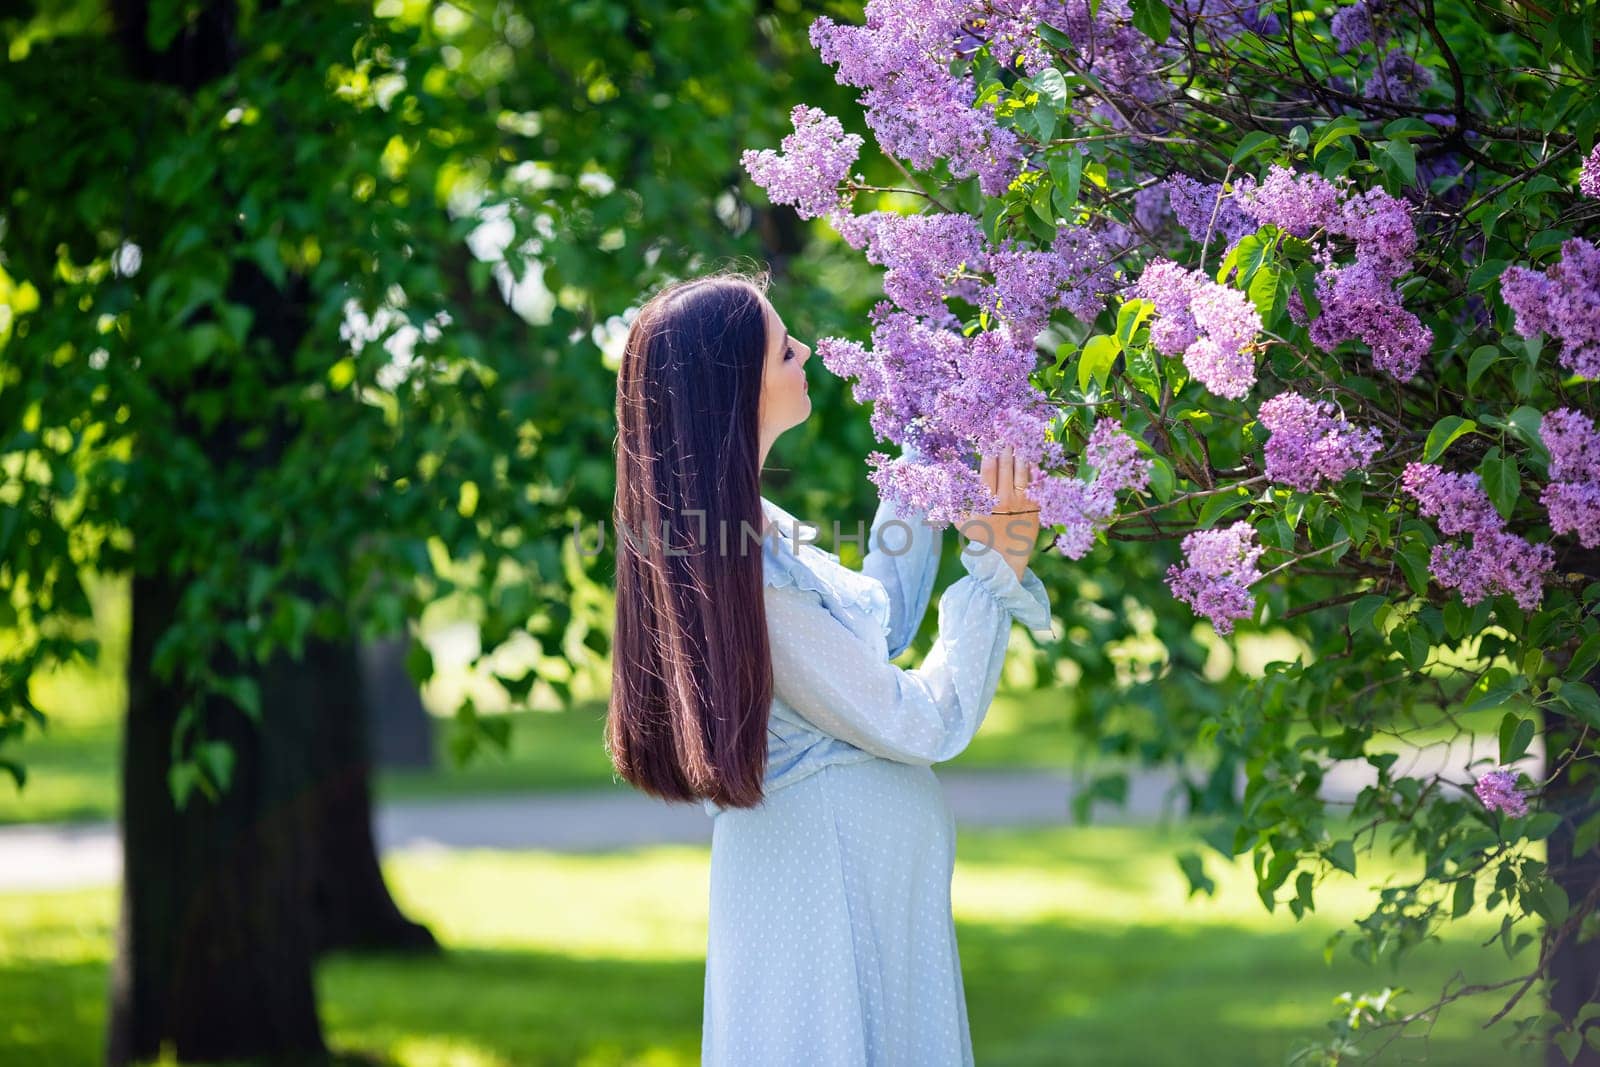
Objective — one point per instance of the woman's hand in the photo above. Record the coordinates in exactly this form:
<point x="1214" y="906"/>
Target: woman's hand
<point x="1012" y="525"/>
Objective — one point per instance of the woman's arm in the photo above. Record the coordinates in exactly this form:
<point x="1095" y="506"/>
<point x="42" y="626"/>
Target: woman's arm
<point x="923" y="715"/>
<point x="904" y="556"/>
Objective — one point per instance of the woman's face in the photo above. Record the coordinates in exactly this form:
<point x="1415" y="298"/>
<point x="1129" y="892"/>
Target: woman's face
<point x="785" y="401"/>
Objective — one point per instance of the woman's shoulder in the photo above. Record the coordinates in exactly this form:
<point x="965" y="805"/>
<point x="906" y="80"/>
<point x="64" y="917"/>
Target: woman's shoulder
<point x="787" y="563"/>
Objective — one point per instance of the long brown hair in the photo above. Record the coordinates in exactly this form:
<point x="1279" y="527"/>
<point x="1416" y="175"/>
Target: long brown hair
<point x="691" y="673"/>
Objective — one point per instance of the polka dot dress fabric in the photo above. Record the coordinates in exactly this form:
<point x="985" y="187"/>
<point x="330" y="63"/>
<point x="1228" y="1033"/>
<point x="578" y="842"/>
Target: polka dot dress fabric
<point x="831" y="937"/>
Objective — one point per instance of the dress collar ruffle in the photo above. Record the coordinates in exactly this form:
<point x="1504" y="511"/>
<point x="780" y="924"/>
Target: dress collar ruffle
<point x="786" y="561"/>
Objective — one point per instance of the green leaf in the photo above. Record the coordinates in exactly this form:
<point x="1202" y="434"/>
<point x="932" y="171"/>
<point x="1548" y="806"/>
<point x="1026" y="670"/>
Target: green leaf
<point x="1516" y="734"/>
<point x="1585" y="658"/>
<point x="1263" y="292"/>
<point x="1412" y="644"/>
<point x="245" y="693"/>
<point x="1401" y="129"/>
<point x="1402" y="158"/>
<point x="1486" y="274"/>
<point x="1483" y="357"/>
<point x="1251" y="144"/>
<point x="1131" y="316"/>
<point x="1219" y="505"/>
<point x="215" y="759"/>
<point x="1413" y="560"/>
<point x="1502" y="480"/>
<point x="181" y="779"/>
<point x="1161" y="480"/>
<point x="1099" y="353"/>
<point x="1343" y="855"/>
<point x="1153" y="19"/>
<point x="1363" y="611"/>
<point x="1052" y="87"/>
<point x="1443" y="433"/>
<point x="1194" y="870"/>
<point x="1524" y="423"/>
<point x="1580" y="697"/>
<point x="1066" y="171"/>
<point x="1337" y="130"/>
<point x="1586" y="836"/>
<point x="1462" y="902"/>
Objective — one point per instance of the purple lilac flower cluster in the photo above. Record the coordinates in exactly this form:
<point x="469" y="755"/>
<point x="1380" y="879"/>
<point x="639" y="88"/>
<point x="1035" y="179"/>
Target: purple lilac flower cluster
<point x="1219" y="568"/>
<point x="1213" y="326"/>
<point x="1077" y="272"/>
<point x="1572" y="498"/>
<point x="1359" y="299"/>
<point x="1399" y="78"/>
<point x="1589" y="177"/>
<point x="1498" y="561"/>
<point x="918" y="109"/>
<point x="1084" y="505"/>
<point x="1360" y="22"/>
<point x="1497" y="791"/>
<point x="1563" y="301"/>
<point x="1312" y="442"/>
<point x="811" y="163"/>
<point x="923" y="255"/>
<point x="1203" y="208"/>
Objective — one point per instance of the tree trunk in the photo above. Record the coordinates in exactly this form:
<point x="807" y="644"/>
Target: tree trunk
<point x="1574" y="966"/>
<point x="214" y="950"/>
<point x="353" y="907"/>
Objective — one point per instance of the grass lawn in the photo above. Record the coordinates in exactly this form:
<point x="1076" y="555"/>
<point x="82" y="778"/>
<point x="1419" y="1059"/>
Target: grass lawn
<point x="1077" y="945"/>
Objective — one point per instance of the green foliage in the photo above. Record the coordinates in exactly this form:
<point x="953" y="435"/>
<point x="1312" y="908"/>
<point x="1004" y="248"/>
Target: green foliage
<point x="246" y="343"/>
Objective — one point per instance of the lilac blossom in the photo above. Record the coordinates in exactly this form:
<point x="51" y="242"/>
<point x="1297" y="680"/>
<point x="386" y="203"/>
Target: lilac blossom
<point x="1355" y="25"/>
<point x="1299" y="204"/>
<point x="1195" y="203"/>
<point x="1497" y="791"/>
<point x="1213" y="326"/>
<point x="1497" y="562"/>
<point x="1076" y="273"/>
<point x="1359" y="301"/>
<point x="1109" y="48"/>
<point x="1151" y="208"/>
<point x="1219" y="568"/>
<point x="1085" y="504"/>
<point x="1398" y="78"/>
<point x="814" y="159"/>
<point x="917" y="109"/>
<point x="1589" y="177"/>
<point x="1311" y="442"/>
<point x="1563" y="301"/>
<point x="1572" y="498"/>
<point x="922" y="254"/>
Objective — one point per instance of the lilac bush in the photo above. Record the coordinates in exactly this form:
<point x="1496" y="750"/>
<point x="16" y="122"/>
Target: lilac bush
<point x="1298" y="311"/>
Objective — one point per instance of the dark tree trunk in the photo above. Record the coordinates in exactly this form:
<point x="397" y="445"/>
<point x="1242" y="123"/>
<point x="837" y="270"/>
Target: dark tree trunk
<point x="1575" y="965"/>
<point x="214" y="951"/>
<point x="401" y="729"/>
<point x="352" y="904"/>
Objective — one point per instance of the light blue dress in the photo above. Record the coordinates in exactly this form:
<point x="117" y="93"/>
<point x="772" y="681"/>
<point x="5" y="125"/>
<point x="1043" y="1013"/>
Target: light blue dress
<point x="831" y="940"/>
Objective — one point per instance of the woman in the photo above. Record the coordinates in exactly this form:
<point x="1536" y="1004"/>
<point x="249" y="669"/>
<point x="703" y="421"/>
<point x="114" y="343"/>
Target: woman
<point x="759" y="682"/>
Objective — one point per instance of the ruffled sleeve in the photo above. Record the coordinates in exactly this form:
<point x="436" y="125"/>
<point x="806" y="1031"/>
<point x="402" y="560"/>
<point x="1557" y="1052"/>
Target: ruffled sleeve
<point x="846" y="688"/>
<point x="903" y="554"/>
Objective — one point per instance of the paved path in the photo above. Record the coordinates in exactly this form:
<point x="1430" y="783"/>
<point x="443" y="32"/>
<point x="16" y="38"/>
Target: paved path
<point x="64" y="856"/>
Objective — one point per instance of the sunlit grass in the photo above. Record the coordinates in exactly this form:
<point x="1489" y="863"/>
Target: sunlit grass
<point x="1078" y="946"/>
